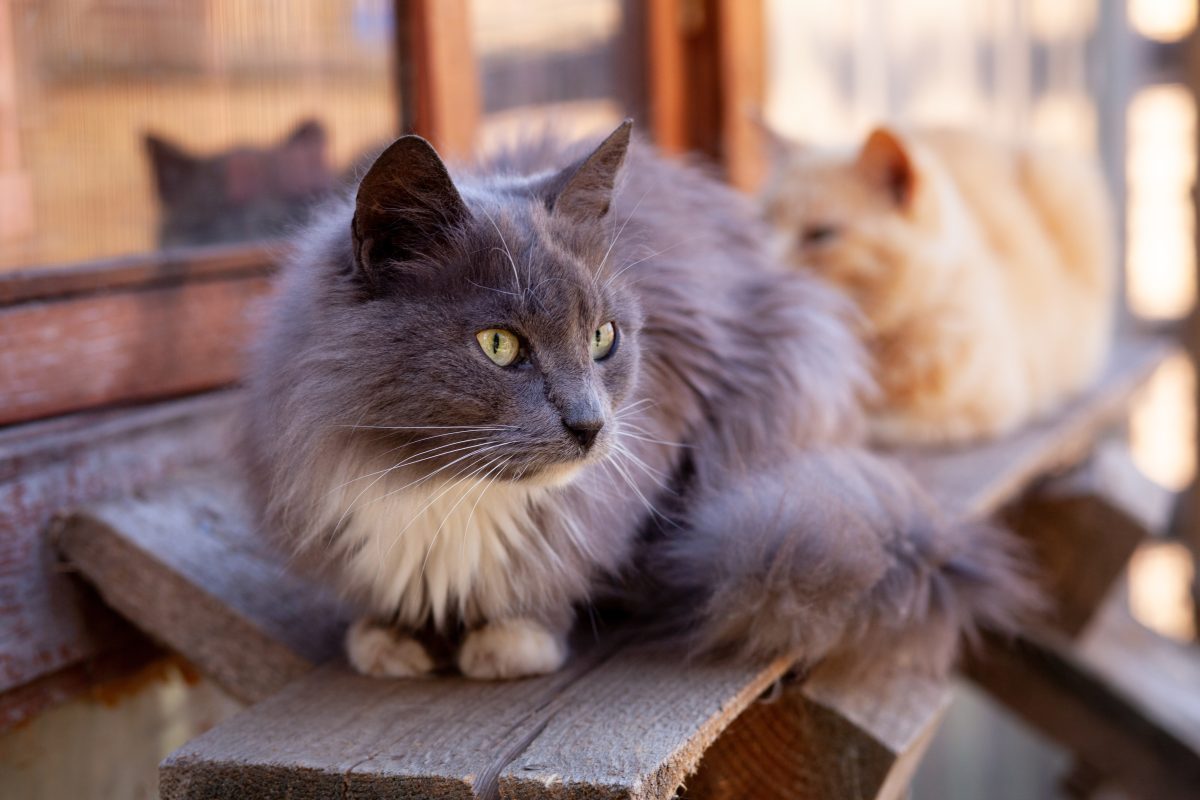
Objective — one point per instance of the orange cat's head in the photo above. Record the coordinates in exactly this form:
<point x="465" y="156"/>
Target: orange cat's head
<point x="865" y="219"/>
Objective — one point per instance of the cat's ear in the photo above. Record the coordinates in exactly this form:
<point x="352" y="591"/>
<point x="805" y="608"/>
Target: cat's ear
<point x="406" y="203"/>
<point x="309" y="132"/>
<point x="172" y="167"/>
<point x="583" y="191"/>
<point x="886" y="160"/>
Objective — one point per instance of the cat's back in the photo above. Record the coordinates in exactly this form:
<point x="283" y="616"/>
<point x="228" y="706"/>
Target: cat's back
<point x="1040" y="209"/>
<point x="1046" y="227"/>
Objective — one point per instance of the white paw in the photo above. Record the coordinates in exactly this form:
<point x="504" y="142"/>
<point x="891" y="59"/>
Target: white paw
<point x="511" y="648"/>
<point x="385" y="653"/>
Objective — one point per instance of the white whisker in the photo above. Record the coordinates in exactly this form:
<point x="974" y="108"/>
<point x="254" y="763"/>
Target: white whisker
<point x="654" y="474"/>
<point x="633" y="264"/>
<point x="621" y="230"/>
<point x="431" y="427"/>
<point x="475" y="453"/>
<point x="413" y="459"/>
<point x="466" y="472"/>
<point x="507" y="252"/>
<point x="445" y="517"/>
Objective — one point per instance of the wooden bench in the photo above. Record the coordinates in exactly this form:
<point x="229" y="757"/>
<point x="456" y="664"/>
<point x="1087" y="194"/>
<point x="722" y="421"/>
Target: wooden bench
<point x="624" y="719"/>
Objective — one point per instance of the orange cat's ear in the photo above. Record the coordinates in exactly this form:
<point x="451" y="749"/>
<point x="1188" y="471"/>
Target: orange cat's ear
<point x="885" y="160"/>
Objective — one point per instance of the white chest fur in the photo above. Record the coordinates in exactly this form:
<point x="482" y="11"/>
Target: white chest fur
<point x="433" y="551"/>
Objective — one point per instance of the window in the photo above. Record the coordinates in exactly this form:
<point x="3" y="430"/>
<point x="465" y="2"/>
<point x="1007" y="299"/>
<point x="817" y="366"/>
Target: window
<point x="132" y="125"/>
<point x="575" y="65"/>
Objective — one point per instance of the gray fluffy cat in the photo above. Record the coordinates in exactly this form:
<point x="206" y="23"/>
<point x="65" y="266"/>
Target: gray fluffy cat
<point x="570" y="373"/>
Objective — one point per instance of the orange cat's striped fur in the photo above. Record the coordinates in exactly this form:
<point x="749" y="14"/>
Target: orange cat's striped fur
<point x="984" y="272"/>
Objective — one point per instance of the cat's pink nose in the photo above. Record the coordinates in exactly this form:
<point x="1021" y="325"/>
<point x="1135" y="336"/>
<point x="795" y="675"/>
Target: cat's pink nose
<point x="584" y="430"/>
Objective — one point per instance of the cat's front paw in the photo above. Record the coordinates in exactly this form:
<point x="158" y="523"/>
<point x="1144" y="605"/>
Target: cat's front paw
<point x="511" y="648"/>
<point x="384" y="652"/>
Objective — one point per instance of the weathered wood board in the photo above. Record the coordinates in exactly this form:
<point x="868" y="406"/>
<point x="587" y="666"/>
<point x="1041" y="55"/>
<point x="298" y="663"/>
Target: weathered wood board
<point x="49" y="622"/>
<point x="1123" y="699"/>
<point x="643" y="719"/>
<point x="85" y="352"/>
<point x="186" y="563"/>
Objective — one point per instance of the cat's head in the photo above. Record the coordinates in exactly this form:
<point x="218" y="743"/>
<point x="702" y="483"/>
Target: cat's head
<point x="862" y="218"/>
<point x="482" y="328"/>
<point x="239" y="194"/>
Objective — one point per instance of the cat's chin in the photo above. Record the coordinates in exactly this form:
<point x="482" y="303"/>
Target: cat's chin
<point x="555" y="475"/>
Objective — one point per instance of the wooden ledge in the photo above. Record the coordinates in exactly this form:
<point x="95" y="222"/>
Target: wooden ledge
<point x="619" y="721"/>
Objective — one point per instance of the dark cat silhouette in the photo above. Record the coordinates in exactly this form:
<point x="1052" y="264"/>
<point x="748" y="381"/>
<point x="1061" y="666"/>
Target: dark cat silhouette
<point x="240" y="194"/>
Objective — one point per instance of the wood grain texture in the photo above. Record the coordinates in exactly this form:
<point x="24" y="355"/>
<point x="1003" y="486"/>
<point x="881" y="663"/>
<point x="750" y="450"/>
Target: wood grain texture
<point x="338" y="732"/>
<point x="829" y="737"/>
<point x="137" y="345"/>
<point x="48" y="620"/>
<point x="161" y="268"/>
<point x="185" y="563"/>
<point x="1123" y="699"/>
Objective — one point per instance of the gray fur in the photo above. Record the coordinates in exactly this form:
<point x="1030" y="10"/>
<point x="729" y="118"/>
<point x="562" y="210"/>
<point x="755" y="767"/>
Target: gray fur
<point x="729" y="475"/>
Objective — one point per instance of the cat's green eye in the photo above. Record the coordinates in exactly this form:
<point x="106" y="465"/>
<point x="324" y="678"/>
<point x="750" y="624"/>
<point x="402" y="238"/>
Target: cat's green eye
<point x="501" y="346"/>
<point x="602" y="340"/>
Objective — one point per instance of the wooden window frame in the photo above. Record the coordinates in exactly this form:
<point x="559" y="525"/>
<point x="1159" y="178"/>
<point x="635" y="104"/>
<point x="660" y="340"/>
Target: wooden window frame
<point x="83" y="342"/>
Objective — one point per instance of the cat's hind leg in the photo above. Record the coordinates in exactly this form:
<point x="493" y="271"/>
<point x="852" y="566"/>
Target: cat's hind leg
<point x="382" y="651"/>
<point x="511" y="648"/>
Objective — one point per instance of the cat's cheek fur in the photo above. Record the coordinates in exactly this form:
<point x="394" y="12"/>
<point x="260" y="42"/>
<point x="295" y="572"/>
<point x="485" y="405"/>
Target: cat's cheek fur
<point x="511" y="648"/>
<point x="383" y="652"/>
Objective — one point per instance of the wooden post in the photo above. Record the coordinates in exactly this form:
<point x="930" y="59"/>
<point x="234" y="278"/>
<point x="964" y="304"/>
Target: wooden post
<point x="16" y="202"/>
<point x="667" y="67"/>
<point x="438" y="77"/>
<point x="1187" y="522"/>
<point x="707" y="81"/>
<point x="742" y="51"/>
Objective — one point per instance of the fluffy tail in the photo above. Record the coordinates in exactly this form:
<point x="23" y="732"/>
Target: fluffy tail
<point x="838" y="554"/>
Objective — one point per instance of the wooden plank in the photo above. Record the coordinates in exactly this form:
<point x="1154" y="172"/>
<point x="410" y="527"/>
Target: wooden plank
<point x="460" y="738"/>
<point x="48" y="620"/>
<point x="222" y="597"/>
<point x="438" y="73"/>
<point x="636" y="727"/>
<point x="1124" y="700"/>
<point x="161" y="268"/>
<point x="1103" y="509"/>
<point x="827" y="737"/>
<point x="974" y="480"/>
<point x="132" y="345"/>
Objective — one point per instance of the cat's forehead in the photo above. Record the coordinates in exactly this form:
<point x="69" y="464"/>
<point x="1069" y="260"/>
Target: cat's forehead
<point x="519" y="267"/>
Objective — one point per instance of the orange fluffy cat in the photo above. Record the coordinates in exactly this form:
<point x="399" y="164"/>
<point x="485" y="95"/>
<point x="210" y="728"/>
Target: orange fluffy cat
<point x="984" y="272"/>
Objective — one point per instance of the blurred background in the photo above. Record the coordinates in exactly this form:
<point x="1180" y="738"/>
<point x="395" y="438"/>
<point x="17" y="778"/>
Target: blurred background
<point x="132" y="128"/>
